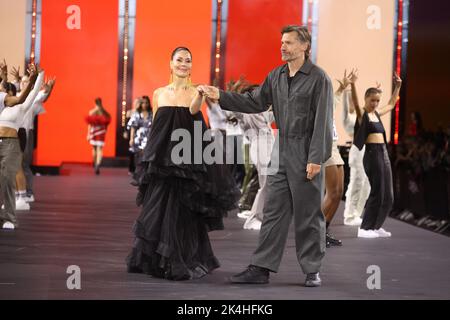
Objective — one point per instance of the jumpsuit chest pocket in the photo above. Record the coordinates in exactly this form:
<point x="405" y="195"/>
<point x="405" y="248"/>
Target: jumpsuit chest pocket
<point x="300" y="103"/>
<point x="298" y="114"/>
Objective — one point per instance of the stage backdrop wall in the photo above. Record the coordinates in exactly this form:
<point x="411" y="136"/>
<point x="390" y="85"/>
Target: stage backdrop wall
<point x="428" y="68"/>
<point x="357" y="34"/>
<point x="161" y="26"/>
<point x="253" y="37"/>
<point x="84" y="61"/>
<point x="12" y="32"/>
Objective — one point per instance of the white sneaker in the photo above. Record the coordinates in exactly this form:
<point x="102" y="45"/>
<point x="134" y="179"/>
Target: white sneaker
<point x="353" y="221"/>
<point x="367" y="234"/>
<point x="252" y="224"/>
<point x="29" y="198"/>
<point x="383" y="233"/>
<point x="8" y="225"/>
<point x="21" y="204"/>
<point x="244" y="214"/>
<point x="3" y="207"/>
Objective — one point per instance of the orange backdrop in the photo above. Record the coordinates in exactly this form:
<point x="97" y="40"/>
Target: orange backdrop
<point x="253" y="37"/>
<point x="161" y="26"/>
<point x="85" y="64"/>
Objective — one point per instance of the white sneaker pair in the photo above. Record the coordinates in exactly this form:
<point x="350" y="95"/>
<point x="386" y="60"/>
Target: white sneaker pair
<point x="8" y="226"/>
<point x="21" y="204"/>
<point x="353" y="221"/>
<point x="380" y="233"/>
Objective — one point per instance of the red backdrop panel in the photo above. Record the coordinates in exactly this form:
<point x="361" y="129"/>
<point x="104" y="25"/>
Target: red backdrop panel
<point x="161" y="26"/>
<point x="85" y="63"/>
<point x="253" y="37"/>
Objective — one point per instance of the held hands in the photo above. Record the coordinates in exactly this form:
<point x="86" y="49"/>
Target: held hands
<point x="209" y="92"/>
<point x="312" y="170"/>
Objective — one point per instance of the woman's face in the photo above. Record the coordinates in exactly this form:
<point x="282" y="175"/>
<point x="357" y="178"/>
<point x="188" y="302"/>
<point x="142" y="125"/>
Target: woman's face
<point x="181" y="64"/>
<point x="24" y="82"/>
<point x="145" y="105"/>
<point x="372" y="101"/>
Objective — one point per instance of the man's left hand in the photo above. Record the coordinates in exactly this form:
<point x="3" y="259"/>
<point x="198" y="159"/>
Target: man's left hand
<point x="312" y="170"/>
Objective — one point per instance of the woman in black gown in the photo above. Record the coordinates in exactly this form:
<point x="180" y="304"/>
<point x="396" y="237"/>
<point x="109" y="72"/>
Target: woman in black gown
<point x="181" y="202"/>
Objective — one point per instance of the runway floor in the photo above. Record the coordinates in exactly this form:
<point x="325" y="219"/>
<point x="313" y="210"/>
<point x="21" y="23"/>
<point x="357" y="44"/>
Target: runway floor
<point x="86" y="220"/>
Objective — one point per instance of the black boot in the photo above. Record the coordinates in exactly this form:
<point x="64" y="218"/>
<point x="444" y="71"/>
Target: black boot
<point x="332" y="241"/>
<point x="313" y="280"/>
<point x="253" y="274"/>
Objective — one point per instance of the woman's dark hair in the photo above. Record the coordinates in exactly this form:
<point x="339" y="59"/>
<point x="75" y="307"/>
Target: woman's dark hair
<point x="9" y="87"/>
<point x="146" y="98"/>
<point x="371" y="91"/>
<point x="178" y="49"/>
<point x="99" y="103"/>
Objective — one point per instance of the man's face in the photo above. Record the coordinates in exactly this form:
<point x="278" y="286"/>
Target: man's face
<point x="291" y="47"/>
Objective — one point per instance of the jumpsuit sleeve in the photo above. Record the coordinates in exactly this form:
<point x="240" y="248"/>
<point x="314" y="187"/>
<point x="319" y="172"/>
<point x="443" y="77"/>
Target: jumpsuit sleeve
<point x="250" y="102"/>
<point x="322" y="137"/>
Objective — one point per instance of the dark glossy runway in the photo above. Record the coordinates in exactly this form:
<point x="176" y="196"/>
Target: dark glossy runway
<point x="86" y="220"/>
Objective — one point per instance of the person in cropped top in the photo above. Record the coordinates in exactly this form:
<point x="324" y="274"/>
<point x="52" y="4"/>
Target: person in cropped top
<point x="369" y="131"/>
<point x="12" y="110"/>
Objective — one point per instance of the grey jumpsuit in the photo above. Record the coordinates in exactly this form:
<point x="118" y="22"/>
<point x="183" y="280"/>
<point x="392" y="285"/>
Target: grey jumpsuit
<point x="304" y="117"/>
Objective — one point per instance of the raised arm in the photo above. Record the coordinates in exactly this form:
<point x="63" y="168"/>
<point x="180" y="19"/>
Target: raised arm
<point x="393" y="100"/>
<point x="358" y="109"/>
<point x="197" y="102"/>
<point x="3" y="73"/>
<point x="34" y="92"/>
<point x="155" y="101"/>
<point x="48" y="88"/>
<point x="348" y="113"/>
<point x="11" y="101"/>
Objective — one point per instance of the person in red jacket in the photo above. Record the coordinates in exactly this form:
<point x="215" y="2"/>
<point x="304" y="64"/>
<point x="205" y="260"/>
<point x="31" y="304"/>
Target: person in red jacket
<point x="98" y="121"/>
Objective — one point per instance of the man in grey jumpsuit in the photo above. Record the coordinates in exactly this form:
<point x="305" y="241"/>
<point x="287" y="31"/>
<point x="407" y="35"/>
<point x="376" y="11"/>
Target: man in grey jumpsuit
<point x="302" y="97"/>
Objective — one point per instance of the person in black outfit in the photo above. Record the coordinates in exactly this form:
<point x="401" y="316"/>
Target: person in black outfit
<point x="369" y="131"/>
<point x="182" y="197"/>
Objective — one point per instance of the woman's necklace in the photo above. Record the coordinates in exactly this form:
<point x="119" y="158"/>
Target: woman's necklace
<point x="172" y="87"/>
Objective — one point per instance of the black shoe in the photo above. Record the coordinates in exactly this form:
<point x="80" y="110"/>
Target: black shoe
<point x="313" y="280"/>
<point x="253" y="274"/>
<point x="332" y="241"/>
<point x="97" y="170"/>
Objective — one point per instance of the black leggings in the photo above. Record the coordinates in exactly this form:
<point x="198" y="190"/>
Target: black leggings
<point x="378" y="169"/>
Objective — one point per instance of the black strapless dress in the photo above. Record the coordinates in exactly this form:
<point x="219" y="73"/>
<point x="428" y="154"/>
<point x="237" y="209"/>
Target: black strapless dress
<point x="181" y="202"/>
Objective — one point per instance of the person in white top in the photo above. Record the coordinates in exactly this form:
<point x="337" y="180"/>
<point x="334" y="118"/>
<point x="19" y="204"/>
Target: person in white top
<point x="25" y="176"/>
<point x="12" y="110"/>
<point x="358" y="189"/>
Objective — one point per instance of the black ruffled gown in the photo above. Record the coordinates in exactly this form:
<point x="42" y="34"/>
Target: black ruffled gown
<point x="180" y="203"/>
